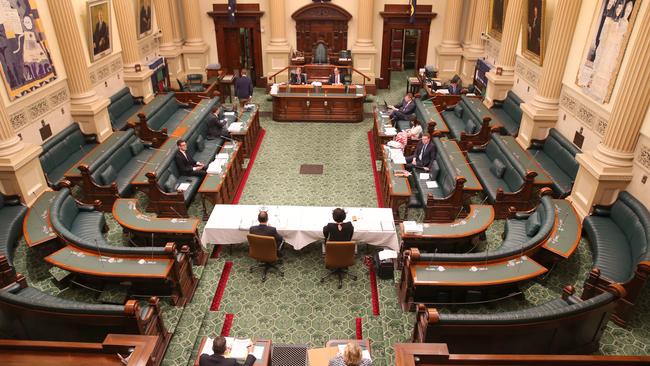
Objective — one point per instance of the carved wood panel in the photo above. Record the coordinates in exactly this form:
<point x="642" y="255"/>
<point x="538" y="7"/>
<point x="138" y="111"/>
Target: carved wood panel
<point x="321" y="23"/>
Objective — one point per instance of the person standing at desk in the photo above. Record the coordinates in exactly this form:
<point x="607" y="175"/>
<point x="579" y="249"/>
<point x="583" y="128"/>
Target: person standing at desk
<point x="336" y="78"/>
<point x="185" y="163"/>
<point x="265" y="229"/>
<point x="352" y="356"/>
<point x="425" y="154"/>
<point x="403" y="110"/>
<point x="298" y="77"/>
<point x="338" y="230"/>
<point x="243" y="88"/>
<point x="218" y="359"/>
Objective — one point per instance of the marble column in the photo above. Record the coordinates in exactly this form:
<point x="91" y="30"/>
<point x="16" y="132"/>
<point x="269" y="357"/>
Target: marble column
<point x="498" y="85"/>
<point x="449" y="52"/>
<point x="20" y="169"/>
<point x="174" y="12"/>
<point x="138" y="81"/>
<point x="168" y="47"/>
<point x="278" y="49"/>
<point x="195" y="50"/>
<point x="86" y="106"/>
<point x="474" y="48"/>
<point x="542" y="113"/>
<point x="608" y="169"/>
<point x="364" y="50"/>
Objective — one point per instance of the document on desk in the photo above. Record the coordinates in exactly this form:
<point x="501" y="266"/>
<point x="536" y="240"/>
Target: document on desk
<point x="432" y="184"/>
<point x="235" y="127"/>
<point x="223" y="156"/>
<point x="238" y="347"/>
<point x="183" y="187"/>
<point x="424" y="176"/>
<point x="215" y="167"/>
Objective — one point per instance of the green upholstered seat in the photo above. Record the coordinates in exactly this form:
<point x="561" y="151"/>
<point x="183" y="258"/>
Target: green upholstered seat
<point x="402" y="125"/>
<point x="64" y="150"/>
<point x="619" y="237"/>
<point x="443" y="173"/>
<point x="466" y="116"/>
<point x="167" y="114"/>
<point x="12" y="213"/>
<point x="508" y="112"/>
<point x="123" y="106"/>
<point x="557" y="156"/>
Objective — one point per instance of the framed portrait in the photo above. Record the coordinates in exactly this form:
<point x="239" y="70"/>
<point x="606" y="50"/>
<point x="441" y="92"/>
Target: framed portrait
<point x="608" y="37"/>
<point x="144" y="17"/>
<point x="100" y="39"/>
<point x="25" y="61"/>
<point x="534" y="29"/>
<point x="497" y="17"/>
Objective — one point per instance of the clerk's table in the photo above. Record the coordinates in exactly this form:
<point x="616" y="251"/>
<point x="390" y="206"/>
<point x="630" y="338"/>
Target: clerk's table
<point x="326" y="103"/>
<point x="299" y="225"/>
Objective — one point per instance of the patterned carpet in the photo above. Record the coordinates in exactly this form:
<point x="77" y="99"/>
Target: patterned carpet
<point x="298" y="308"/>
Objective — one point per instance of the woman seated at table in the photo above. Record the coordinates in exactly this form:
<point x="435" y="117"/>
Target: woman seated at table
<point x="413" y="133"/>
<point x="351" y="356"/>
<point x="338" y="230"/>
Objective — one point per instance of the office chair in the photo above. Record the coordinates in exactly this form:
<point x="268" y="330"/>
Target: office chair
<point x="195" y="83"/>
<point x="264" y="250"/>
<point x="339" y="255"/>
<point x="181" y="87"/>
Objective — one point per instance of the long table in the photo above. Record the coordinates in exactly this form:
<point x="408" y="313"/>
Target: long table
<point x="249" y="131"/>
<point x="299" y="225"/>
<point x="396" y="190"/>
<point x="323" y="106"/>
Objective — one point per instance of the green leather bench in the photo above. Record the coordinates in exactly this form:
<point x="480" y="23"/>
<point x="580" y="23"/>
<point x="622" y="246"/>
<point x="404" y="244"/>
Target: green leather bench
<point x="619" y="236"/>
<point x="428" y="115"/>
<point x="73" y="174"/>
<point x="508" y="113"/>
<point x="36" y="225"/>
<point x="159" y="118"/>
<point x="12" y="213"/>
<point x="63" y="151"/>
<point x="123" y="108"/>
<point x="470" y="123"/>
<point x="567" y="325"/>
<point x="557" y="155"/>
<point x="110" y="175"/>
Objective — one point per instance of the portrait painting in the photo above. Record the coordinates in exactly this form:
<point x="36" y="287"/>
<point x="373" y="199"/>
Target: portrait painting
<point x="533" y="37"/>
<point x="497" y="17"/>
<point x="608" y="37"/>
<point x="99" y="15"/>
<point x="144" y="17"/>
<point x="24" y="51"/>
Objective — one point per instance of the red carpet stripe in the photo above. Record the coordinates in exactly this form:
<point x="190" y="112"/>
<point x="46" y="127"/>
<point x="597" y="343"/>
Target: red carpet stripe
<point x="227" y="324"/>
<point x="221" y="288"/>
<point x="373" y="159"/>
<point x="373" y="286"/>
<point x="359" y="329"/>
<point x="251" y="161"/>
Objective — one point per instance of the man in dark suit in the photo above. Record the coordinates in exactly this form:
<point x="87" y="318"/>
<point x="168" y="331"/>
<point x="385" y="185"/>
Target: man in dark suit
<point x="185" y="163"/>
<point x="403" y="110"/>
<point x="298" y="77"/>
<point x="425" y="154"/>
<point x="454" y="85"/>
<point x="101" y="41"/>
<point x="336" y="78"/>
<point x="217" y="359"/>
<point x="265" y="229"/>
<point x="243" y="88"/>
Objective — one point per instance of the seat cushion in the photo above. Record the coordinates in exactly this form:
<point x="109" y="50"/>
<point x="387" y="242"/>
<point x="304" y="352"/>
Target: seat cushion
<point x="490" y="182"/>
<point x="533" y="224"/>
<point x="562" y="183"/>
<point x="498" y="168"/>
<point x="88" y="226"/>
<point x="107" y="176"/>
<point x="12" y="225"/>
<point x="190" y="192"/>
<point x="515" y="233"/>
<point x="128" y="171"/>
<point x="510" y="125"/>
<point x="609" y="247"/>
<point x="458" y="110"/>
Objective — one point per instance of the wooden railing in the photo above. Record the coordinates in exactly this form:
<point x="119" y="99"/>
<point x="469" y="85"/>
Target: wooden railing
<point x="352" y="70"/>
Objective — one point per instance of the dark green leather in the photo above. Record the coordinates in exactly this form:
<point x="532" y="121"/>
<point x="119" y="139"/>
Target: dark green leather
<point x="508" y="112"/>
<point x="169" y="114"/>
<point x="11" y="217"/>
<point x="471" y="117"/>
<point x="82" y="227"/>
<point x="123" y="106"/>
<point x="619" y="241"/>
<point x="402" y="125"/>
<point x="62" y="151"/>
<point x="446" y="176"/>
<point x="515" y="242"/>
<point x="558" y="157"/>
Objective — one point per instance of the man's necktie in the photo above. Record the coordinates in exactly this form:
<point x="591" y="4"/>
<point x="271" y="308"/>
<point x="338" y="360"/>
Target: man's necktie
<point x="422" y="151"/>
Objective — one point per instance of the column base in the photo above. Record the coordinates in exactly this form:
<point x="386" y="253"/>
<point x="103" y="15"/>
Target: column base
<point x="21" y="173"/>
<point x="498" y="87"/>
<point x="174" y="58"/>
<point x="140" y="83"/>
<point x="363" y="59"/>
<point x="448" y="61"/>
<point x="93" y="118"/>
<point x="277" y="58"/>
<point x="597" y="183"/>
<point x="195" y="58"/>
<point x="535" y="123"/>
<point x="468" y="65"/>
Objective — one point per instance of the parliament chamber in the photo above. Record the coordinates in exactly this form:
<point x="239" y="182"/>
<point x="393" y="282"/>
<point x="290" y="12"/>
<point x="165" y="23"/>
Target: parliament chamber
<point x="366" y="182"/>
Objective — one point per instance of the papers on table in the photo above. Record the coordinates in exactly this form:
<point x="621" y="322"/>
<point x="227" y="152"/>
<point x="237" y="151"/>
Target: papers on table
<point x="424" y="176"/>
<point x="387" y="225"/>
<point x="387" y="254"/>
<point x="223" y="155"/>
<point x="394" y="144"/>
<point x="235" y="127"/>
<point x="390" y="131"/>
<point x="364" y="353"/>
<point x="274" y="89"/>
<point x="432" y="184"/>
<point x="230" y="113"/>
<point x="413" y="227"/>
<point x="183" y="187"/>
<point x="215" y="167"/>
<point x="442" y="91"/>
<point x="397" y="156"/>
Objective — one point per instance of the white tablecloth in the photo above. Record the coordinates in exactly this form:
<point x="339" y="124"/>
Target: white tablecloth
<point x="299" y="225"/>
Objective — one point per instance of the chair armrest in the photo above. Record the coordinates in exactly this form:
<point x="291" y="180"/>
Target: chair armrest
<point x="521" y="215"/>
<point x="601" y="211"/>
<point x="86" y="208"/>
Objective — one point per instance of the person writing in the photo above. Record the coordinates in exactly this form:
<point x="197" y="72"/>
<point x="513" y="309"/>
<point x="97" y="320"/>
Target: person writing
<point x="351" y="356"/>
<point x="336" y="78"/>
<point x="265" y="229"/>
<point x="185" y="163"/>
<point x="338" y="230"/>
<point x="403" y="110"/>
<point x="298" y="77"/>
<point x="425" y="154"/>
<point x="218" y="359"/>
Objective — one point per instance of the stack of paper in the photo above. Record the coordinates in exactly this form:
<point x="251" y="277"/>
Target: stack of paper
<point x="222" y="155"/>
<point x="432" y="184"/>
<point x="235" y="127"/>
<point x="387" y="254"/>
<point x="388" y="225"/>
<point x="183" y="187"/>
<point x="412" y="227"/>
<point x="390" y="131"/>
<point x="215" y="167"/>
<point x="424" y="176"/>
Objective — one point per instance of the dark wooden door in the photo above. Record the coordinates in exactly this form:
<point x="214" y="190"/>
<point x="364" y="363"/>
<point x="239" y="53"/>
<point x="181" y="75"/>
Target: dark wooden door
<point x="396" y="49"/>
<point x="232" y="39"/>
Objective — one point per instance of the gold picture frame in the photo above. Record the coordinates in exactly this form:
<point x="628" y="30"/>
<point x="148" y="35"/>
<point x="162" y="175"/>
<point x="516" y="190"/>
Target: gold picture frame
<point x="534" y="32"/>
<point x="144" y="18"/>
<point x="498" y="10"/>
<point x="100" y="35"/>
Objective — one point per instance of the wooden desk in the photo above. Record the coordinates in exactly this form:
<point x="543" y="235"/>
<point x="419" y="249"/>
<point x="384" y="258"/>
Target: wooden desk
<point x="395" y="190"/>
<point x="222" y="187"/>
<point x="74" y="174"/>
<point x="264" y="361"/>
<point x="379" y="130"/>
<point x="36" y="225"/>
<point x="250" y="130"/>
<point x="458" y="160"/>
<point x="301" y="103"/>
<point x="211" y="91"/>
<point x="321" y="356"/>
<point x="566" y="235"/>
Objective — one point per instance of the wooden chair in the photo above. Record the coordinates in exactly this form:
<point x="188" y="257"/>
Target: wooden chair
<point x="264" y="250"/>
<point x="339" y="255"/>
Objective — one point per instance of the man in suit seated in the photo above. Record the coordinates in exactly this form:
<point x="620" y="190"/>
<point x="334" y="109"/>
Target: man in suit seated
<point x="425" y="154"/>
<point x="403" y="110"/>
<point x="265" y="229"/>
<point x="336" y="78"/>
<point x="217" y="359"/>
<point x="185" y="163"/>
<point x="298" y="77"/>
<point x="455" y="85"/>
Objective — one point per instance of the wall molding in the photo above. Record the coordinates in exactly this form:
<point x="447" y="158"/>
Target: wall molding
<point x="492" y="47"/>
<point x="105" y="68"/>
<point x="642" y="156"/>
<point x="528" y="71"/>
<point x="28" y="113"/>
<point x="148" y="48"/>
<point x="588" y="114"/>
